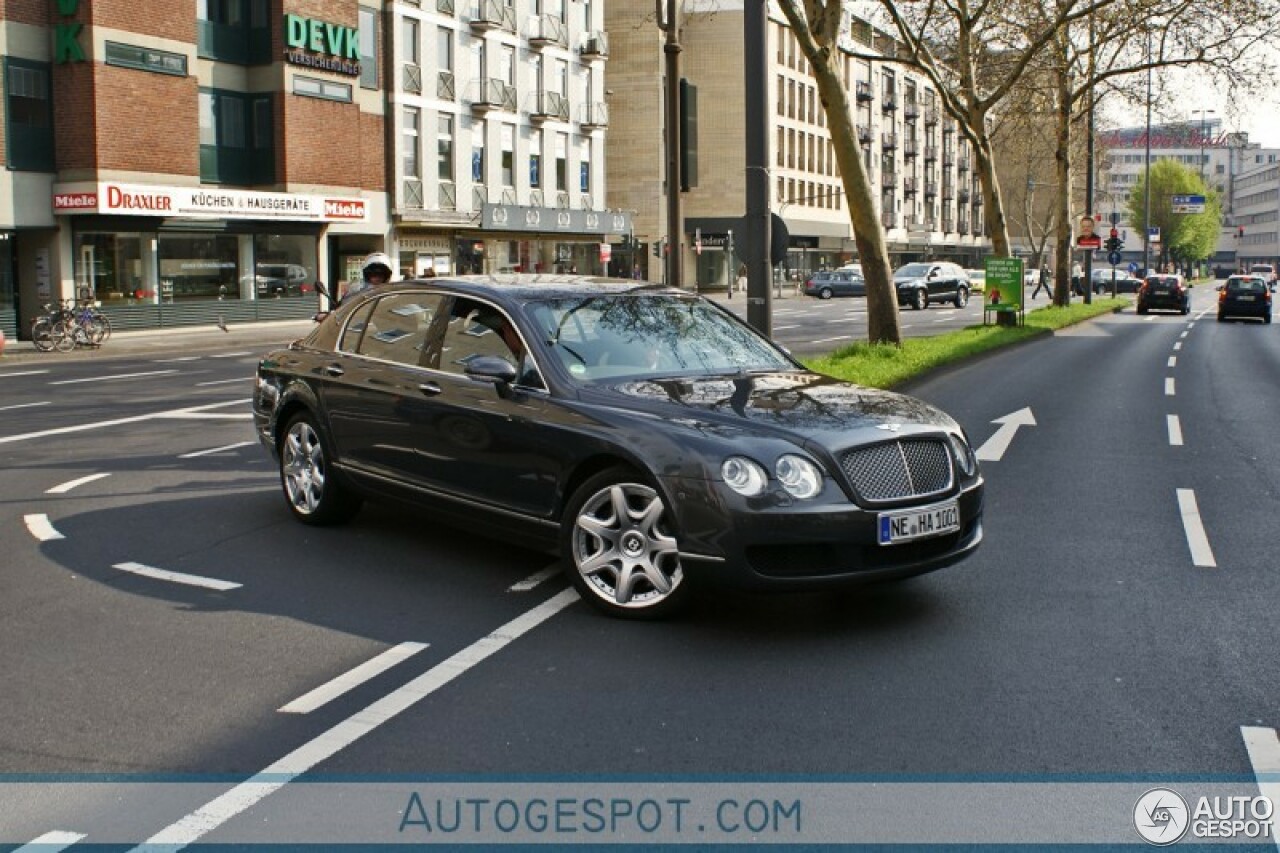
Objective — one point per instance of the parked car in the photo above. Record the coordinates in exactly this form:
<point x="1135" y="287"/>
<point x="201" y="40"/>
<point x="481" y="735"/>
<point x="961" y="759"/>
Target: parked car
<point x="1244" y="296"/>
<point x="920" y="284"/>
<point x="1124" y="282"/>
<point x="1168" y="292"/>
<point x="828" y="283"/>
<point x="977" y="280"/>
<point x="647" y="434"/>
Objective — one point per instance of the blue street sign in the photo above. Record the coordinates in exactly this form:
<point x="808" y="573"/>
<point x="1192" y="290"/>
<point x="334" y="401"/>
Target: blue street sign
<point x="1188" y="204"/>
<point x="1113" y="258"/>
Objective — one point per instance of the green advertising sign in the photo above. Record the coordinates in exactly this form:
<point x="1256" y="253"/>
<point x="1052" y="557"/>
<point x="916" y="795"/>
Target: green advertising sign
<point x="1004" y="284"/>
<point x="321" y="37"/>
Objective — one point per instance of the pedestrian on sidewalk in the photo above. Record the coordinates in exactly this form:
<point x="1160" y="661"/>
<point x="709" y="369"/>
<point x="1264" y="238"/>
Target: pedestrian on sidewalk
<point x="1077" y="276"/>
<point x="740" y="283"/>
<point x="1043" y="282"/>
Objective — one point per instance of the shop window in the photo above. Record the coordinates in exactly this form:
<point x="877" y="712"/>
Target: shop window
<point x="199" y="267"/>
<point x="109" y="267"/>
<point x="28" y="116"/>
<point x="236" y="31"/>
<point x="284" y="266"/>
<point x="236" y="138"/>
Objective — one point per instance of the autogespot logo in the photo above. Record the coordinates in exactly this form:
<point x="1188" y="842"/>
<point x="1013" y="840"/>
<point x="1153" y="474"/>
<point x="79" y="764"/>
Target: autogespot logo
<point x="1161" y="816"/>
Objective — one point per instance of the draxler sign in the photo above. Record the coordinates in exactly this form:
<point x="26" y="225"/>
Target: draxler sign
<point x="66" y="34"/>
<point x="322" y="45"/>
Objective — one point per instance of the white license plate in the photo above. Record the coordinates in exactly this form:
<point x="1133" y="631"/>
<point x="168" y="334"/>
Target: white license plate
<point x="910" y="524"/>
<point x="1245" y="298"/>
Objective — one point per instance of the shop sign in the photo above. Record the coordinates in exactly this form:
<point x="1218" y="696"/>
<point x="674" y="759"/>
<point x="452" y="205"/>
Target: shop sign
<point x="322" y="45"/>
<point x="546" y="220"/>
<point x="425" y="244"/>
<point x="66" y="34"/>
<point x="197" y="203"/>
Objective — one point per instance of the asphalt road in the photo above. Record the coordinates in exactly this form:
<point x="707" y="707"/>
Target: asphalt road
<point x="1082" y="641"/>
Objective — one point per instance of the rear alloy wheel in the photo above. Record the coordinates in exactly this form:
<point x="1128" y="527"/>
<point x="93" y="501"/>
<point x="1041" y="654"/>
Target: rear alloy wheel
<point x="314" y="495"/>
<point x="962" y="297"/>
<point x="825" y="293"/>
<point x="619" y="549"/>
<point x="920" y="300"/>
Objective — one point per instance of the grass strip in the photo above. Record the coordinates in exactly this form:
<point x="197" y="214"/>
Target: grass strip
<point x="884" y="365"/>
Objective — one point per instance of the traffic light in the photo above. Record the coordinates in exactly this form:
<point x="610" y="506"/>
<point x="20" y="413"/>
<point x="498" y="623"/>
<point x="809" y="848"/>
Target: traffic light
<point x="1114" y="243"/>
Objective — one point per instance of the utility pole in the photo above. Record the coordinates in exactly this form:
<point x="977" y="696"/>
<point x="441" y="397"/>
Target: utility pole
<point x="1088" y="178"/>
<point x="755" y="44"/>
<point x="1146" y="180"/>
<point x="669" y="23"/>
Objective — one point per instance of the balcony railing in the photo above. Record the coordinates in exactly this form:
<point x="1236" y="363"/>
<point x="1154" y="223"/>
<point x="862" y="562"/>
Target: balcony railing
<point x="930" y="115"/>
<point x="411" y="196"/>
<point x="585" y="202"/>
<point x="595" y="45"/>
<point x="910" y="110"/>
<point x="411" y="78"/>
<point x="948" y="159"/>
<point x="948" y="128"/>
<point x="963" y="164"/>
<point x="930" y="189"/>
<point x="546" y="30"/>
<point x="889" y="102"/>
<point x="888" y="141"/>
<point x="479" y="196"/>
<point x="962" y="225"/>
<point x="864" y="134"/>
<point x="888" y="179"/>
<point x="489" y="15"/>
<point x="910" y="149"/>
<point x="492" y="94"/>
<point x="535" y="198"/>
<point x="549" y="105"/>
<point x="562" y="200"/>
<point x="909" y="186"/>
<point x="962" y="195"/>
<point x="593" y="116"/>
<point x="948" y="190"/>
<point x="863" y="91"/>
<point x="930" y="153"/>
<point x="888" y="219"/>
<point x="948" y="225"/>
<point x="445" y="7"/>
<point x="445" y="86"/>
<point x="447" y="196"/>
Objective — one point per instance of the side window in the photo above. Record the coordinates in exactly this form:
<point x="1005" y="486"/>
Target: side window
<point x="356" y="325"/>
<point x="475" y="329"/>
<point x="397" y="328"/>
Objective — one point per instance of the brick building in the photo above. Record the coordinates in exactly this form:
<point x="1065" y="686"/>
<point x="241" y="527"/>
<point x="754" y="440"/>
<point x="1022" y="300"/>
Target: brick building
<point x="173" y="158"/>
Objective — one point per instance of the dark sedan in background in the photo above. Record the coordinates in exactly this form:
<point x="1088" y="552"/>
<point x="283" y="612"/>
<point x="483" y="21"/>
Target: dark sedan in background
<point x="1167" y="292"/>
<point x="828" y="283"/>
<point x="1244" y="296"/>
<point x="646" y="434"/>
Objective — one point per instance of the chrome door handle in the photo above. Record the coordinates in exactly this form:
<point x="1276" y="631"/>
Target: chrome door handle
<point x="334" y="370"/>
<point x="429" y="388"/>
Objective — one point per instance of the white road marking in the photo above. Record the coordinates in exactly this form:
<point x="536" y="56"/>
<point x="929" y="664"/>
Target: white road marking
<point x="993" y="449"/>
<point x="173" y="360"/>
<point x="244" y="796"/>
<point x="23" y="406"/>
<point x="352" y="679"/>
<point x="942" y="320"/>
<point x="1175" y="431"/>
<point x="226" y="381"/>
<point x="905" y="326"/>
<point x="1177" y="346"/>
<point x="211" y="450"/>
<point x="534" y="579"/>
<point x="1150" y="319"/>
<point x="4" y="373"/>
<point x="231" y="354"/>
<point x="1168" y="387"/>
<point x="176" y="577"/>
<point x="208" y="416"/>
<point x="1197" y="541"/>
<point x="1173" y="361"/>
<point x="1263" y="746"/>
<point x="1184" y="334"/>
<point x="112" y="376"/>
<point x="63" y="488"/>
<point x="1191" y="325"/>
<point x="830" y="340"/>
<point x="51" y="842"/>
<point x="172" y="413"/>
<point x="41" y="527"/>
<point x="775" y="328"/>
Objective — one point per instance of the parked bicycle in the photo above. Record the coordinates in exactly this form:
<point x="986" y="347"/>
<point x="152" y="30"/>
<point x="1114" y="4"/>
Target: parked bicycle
<point x="69" y="324"/>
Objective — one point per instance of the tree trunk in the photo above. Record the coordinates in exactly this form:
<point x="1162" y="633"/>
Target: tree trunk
<point x="997" y="224"/>
<point x="1062" y="161"/>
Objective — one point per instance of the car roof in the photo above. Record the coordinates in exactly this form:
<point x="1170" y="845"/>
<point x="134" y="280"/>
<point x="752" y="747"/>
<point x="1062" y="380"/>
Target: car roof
<point x="530" y="285"/>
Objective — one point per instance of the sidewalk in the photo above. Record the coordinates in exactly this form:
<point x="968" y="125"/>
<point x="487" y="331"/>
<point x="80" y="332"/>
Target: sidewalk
<point x="252" y="335"/>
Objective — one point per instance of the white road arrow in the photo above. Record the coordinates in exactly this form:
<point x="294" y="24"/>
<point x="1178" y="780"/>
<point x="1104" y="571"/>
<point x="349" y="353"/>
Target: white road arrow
<point x="994" y="448"/>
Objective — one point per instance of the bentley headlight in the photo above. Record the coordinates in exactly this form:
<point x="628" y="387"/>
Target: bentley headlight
<point x="964" y="456"/>
<point x="800" y="477"/>
<point x="744" y="476"/>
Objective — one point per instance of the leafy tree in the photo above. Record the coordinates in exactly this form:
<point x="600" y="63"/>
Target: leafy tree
<point x="1184" y="237"/>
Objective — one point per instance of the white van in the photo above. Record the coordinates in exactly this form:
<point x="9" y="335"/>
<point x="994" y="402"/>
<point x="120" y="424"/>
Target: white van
<point x="1267" y="272"/>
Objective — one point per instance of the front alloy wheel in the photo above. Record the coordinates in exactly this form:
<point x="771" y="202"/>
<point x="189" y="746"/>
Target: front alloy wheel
<point x="962" y="297"/>
<point x="920" y="299"/>
<point x="622" y="554"/>
<point x="313" y="495"/>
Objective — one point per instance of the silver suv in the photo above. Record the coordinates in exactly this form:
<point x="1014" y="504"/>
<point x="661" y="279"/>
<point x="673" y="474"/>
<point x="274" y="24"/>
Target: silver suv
<point x="920" y="284"/>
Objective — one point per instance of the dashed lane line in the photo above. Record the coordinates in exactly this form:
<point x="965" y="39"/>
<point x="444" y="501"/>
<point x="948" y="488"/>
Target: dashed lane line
<point x="41" y="527"/>
<point x="1263" y="746"/>
<point x="1175" y="430"/>
<point x="830" y="340"/>
<point x="1184" y="334"/>
<point x="24" y="406"/>
<point x="231" y="354"/>
<point x="351" y="679"/>
<point x="176" y="577"/>
<point x="187" y="412"/>
<point x="1173" y="361"/>
<point x="51" y="842"/>
<point x="534" y="579"/>
<point x="226" y="381"/>
<point x="1169" y="387"/>
<point x="1197" y="539"/>
<point x="218" y="811"/>
<point x="5" y="373"/>
<point x="1177" y="346"/>
<point x="213" y="450"/>
<point x="63" y="488"/>
<point x="176" y="360"/>
<point x="112" y="376"/>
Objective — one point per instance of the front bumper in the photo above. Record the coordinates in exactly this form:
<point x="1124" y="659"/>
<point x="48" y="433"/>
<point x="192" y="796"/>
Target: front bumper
<point x="773" y="542"/>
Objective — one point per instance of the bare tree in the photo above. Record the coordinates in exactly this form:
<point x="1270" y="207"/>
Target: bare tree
<point x="816" y="25"/>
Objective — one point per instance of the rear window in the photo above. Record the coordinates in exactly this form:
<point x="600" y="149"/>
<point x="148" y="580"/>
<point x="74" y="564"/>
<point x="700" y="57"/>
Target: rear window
<point x="1244" y="285"/>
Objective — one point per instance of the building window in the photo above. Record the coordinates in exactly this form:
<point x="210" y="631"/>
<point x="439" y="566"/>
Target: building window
<point x="237" y="137"/>
<point x="477" y="151"/>
<point x="234" y="31"/>
<point x="311" y="87"/>
<point x="444" y="49"/>
<point x="412" y="122"/>
<point x="444" y="148"/>
<point x="562" y="161"/>
<point x="28" y="116"/>
<point x="368" y="20"/>
<point x="535" y="159"/>
<point x="584" y="170"/>
<point x="409" y="34"/>
<point x="508" y="155"/>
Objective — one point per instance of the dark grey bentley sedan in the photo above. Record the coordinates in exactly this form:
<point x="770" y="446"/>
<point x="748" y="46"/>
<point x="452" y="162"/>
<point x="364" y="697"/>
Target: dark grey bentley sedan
<point x="647" y="435"/>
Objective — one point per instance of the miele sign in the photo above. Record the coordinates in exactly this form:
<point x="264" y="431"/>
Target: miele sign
<point x="196" y="203"/>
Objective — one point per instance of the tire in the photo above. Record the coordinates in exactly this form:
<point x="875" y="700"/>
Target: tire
<point x="825" y="293"/>
<point x="64" y="336"/>
<point x="1221" y="317"/>
<point x="920" y="300"/>
<point x="314" y="495"/>
<point x="962" y="297"/>
<point x="1142" y="309"/>
<point x="635" y="558"/>
<point x="100" y="326"/>
<point x="42" y="334"/>
<point x="1266" y="318"/>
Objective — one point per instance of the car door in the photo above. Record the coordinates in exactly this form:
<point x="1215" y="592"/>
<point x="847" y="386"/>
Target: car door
<point x="379" y="392"/>
<point x="939" y="286"/>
